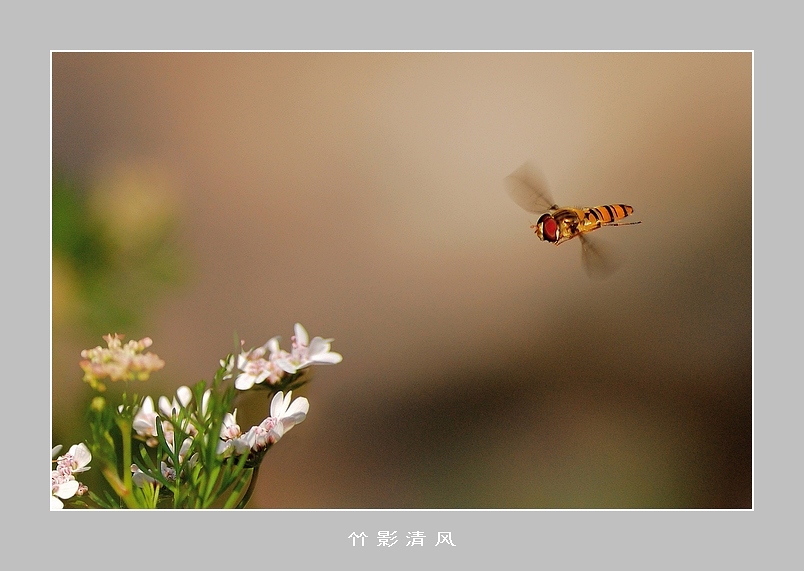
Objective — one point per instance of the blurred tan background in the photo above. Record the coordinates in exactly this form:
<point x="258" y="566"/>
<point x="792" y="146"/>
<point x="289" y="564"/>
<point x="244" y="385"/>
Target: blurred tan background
<point x="362" y="195"/>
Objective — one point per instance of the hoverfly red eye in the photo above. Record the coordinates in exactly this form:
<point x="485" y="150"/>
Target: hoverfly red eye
<point x="549" y="228"/>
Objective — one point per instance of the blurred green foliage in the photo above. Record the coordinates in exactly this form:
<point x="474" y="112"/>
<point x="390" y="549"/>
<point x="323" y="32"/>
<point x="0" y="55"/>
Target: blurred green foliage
<point x="114" y="251"/>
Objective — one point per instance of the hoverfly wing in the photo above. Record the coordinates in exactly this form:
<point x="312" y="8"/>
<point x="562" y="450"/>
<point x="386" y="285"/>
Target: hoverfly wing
<point x="599" y="258"/>
<point x="527" y="187"/>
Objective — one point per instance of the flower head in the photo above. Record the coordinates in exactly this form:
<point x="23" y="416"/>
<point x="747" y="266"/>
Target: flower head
<point x="288" y="413"/>
<point x="183" y="397"/>
<point x="144" y="423"/>
<point x="270" y="363"/>
<point x="256" y="368"/>
<point x="63" y="484"/>
<point x="119" y="362"/>
<point x="284" y="415"/>
<point x="305" y="352"/>
<point x="230" y="433"/>
<point x="140" y="478"/>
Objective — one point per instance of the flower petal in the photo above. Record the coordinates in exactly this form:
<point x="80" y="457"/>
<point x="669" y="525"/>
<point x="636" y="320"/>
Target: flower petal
<point x="66" y="490"/>
<point x="330" y="358"/>
<point x="278" y="406"/>
<point x="244" y="382"/>
<point x="81" y="457"/>
<point x="285" y="364"/>
<point x="185" y="395"/>
<point x="300" y="406"/>
<point x="301" y="335"/>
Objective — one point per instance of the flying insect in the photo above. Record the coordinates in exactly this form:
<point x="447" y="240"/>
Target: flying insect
<point x="559" y="224"/>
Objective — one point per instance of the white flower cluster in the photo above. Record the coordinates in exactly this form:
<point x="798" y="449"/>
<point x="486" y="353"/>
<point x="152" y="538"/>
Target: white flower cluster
<point x="284" y="416"/>
<point x="192" y="432"/>
<point x="63" y="484"/>
<point x="119" y="362"/>
<point x="257" y="368"/>
<point x="144" y="423"/>
<point x="285" y="413"/>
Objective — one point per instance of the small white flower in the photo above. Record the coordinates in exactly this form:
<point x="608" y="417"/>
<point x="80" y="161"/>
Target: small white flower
<point x="183" y="397"/>
<point x="305" y="352"/>
<point x="285" y="414"/>
<point x="254" y="371"/>
<point x="288" y="413"/>
<point x="144" y="422"/>
<point x="139" y="477"/>
<point x="256" y="368"/>
<point x="243" y="443"/>
<point x="261" y="436"/>
<point x="65" y="490"/>
<point x="230" y="429"/>
<point x="63" y="484"/>
<point x="80" y="457"/>
<point x="230" y="432"/>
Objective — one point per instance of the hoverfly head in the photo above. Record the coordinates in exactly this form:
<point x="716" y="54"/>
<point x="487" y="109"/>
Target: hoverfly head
<point x="546" y="228"/>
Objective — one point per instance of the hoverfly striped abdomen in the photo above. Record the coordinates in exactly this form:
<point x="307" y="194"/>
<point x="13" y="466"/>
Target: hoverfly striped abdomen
<point x="607" y="213"/>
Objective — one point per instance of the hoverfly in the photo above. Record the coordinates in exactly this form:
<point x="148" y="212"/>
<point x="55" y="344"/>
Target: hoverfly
<point x="557" y="224"/>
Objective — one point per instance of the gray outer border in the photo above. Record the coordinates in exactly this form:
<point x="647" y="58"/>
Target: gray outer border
<point x="563" y="539"/>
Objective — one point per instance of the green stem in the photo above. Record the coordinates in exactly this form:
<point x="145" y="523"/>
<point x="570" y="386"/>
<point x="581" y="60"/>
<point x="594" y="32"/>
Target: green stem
<point x="125" y="487"/>
<point x="125" y="429"/>
<point x="110" y="473"/>
<point x="251" y="485"/>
